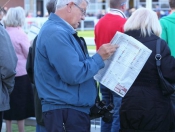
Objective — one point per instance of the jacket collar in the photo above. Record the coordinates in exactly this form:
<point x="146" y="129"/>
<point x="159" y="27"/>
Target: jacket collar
<point x="117" y="12"/>
<point x="61" y="22"/>
<point x="137" y="35"/>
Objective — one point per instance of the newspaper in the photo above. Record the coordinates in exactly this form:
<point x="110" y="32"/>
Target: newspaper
<point x="123" y="67"/>
<point x="33" y="32"/>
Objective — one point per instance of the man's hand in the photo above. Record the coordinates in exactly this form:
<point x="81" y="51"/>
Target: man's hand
<point x="106" y="50"/>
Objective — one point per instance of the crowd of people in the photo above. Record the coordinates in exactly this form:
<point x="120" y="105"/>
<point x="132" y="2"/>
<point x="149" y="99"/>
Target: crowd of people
<point x="52" y="77"/>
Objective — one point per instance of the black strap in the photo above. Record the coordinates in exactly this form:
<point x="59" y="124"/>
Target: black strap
<point x="97" y="100"/>
<point x="82" y="44"/>
<point x="167" y="88"/>
<point x="110" y="97"/>
<point x="158" y="56"/>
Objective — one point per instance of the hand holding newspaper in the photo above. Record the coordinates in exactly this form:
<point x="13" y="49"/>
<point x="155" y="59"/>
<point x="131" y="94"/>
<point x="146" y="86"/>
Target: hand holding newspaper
<point x="123" y="67"/>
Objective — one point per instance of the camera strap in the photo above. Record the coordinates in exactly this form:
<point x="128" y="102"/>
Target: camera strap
<point x="97" y="100"/>
<point x="110" y="97"/>
<point x="82" y="44"/>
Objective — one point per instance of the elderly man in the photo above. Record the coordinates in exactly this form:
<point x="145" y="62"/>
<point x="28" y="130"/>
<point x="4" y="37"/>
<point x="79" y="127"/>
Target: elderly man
<point x="64" y="71"/>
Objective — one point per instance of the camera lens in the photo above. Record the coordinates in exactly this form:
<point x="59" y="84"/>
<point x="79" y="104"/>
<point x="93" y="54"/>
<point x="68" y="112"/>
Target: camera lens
<point x="102" y="103"/>
<point x="107" y="117"/>
<point x="110" y="107"/>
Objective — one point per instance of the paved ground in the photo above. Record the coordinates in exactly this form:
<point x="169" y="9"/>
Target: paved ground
<point x="93" y="128"/>
<point x="31" y="122"/>
<point x="3" y="127"/>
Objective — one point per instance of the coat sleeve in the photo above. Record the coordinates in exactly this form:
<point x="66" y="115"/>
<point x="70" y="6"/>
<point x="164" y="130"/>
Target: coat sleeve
<point x="167" y="63"/>
<point x="8" y="61"/>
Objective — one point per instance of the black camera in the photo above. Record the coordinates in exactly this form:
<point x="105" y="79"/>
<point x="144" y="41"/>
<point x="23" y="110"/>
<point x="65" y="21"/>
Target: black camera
<point x="101" y="110"/>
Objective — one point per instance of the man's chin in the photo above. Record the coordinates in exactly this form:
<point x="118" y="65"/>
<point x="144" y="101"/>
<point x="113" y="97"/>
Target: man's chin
<point x="76" y="26"/>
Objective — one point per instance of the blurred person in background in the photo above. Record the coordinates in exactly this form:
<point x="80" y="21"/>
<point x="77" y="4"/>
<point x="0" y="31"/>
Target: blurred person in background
<point x="8" y="61"/>
<point x="101" y="14"/>
<point x="2" y="14"/>
<point x="168" y="28"/>
<point x="104" y="31"/>
<point x="158" y="10"/>
<point x="38" y="14"/>
<point x="144" y="108"/>
<point x="40" y="127"/>
<point x="21" y="99"/>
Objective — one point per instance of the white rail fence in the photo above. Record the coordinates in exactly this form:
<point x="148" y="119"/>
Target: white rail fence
<point x="90" y="42"/>
<point x="95" y="124"/>
<point x="87" y="24"/>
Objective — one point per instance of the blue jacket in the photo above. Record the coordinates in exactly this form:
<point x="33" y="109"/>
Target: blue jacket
<point x="63" y="73"/>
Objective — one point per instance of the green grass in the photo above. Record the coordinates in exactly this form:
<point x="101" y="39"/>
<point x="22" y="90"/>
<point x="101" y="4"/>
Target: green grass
<point x="27" y="128"/>
<point x="91" y="47"/>
<point x="86" y="33"/>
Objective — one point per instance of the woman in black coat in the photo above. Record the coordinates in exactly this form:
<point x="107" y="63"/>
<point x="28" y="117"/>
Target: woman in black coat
<point x="144" y="108"/>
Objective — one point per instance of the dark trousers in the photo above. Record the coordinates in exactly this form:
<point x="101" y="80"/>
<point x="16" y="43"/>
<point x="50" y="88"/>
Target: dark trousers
<point x="1" y="119"/>
<point x="66" y="120"/>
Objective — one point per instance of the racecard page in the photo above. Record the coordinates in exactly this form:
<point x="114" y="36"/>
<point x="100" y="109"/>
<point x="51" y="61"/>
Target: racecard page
<point x="123" y="67"/>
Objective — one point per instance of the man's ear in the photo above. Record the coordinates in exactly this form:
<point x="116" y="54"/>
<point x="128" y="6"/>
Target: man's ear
<point x="69" y="6"/>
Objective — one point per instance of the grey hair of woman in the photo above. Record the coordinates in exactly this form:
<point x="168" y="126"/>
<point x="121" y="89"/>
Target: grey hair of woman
<point x="15" y="17"/>
<point x="145" y="20"/>
<point x="62" y="3"/>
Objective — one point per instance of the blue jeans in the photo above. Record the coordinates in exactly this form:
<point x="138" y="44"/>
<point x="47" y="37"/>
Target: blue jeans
<point x="114" y="126"/>
<point x="40" y="128"/>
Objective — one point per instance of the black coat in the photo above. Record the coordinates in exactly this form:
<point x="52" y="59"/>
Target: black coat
<point x="144" y="108"/>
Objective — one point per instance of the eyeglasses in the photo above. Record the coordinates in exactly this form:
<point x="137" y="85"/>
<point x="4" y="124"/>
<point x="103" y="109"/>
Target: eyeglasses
<point x="81" y="9"/>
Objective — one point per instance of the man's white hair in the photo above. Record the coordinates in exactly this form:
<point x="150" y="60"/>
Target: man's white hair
<point x="61" y="3"/>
